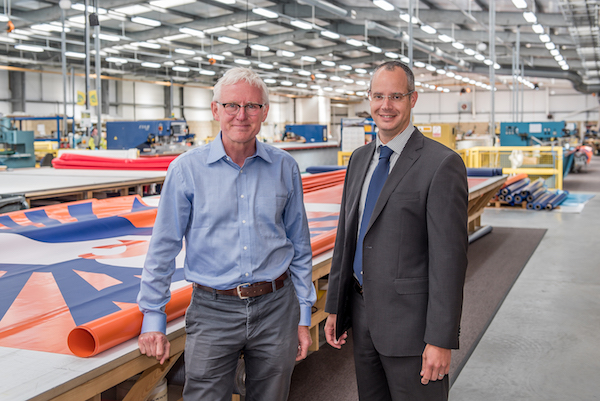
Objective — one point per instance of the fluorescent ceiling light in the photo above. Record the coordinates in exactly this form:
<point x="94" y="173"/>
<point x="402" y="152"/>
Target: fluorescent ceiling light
<point x="151" y="65"/>
<point x="469" y="52"/>
<point x="75" y="54"/>
<point x="327" y="89"/>
<point x="441" y="71"/>
<point x="242" y="61"/>
<point x="450" y="74"/>
<point x="537" y="28"/>
<point x="429" y="67"/>
<point x="216" y="56"/>
<point x="328" y="63"/>
<point x="180" y="61"/>
<point x="286" y="69"/>
<point x="479" y="57"/>
<point x="487" y="61"/>
<point x="405" y="59"/>
<point x="530" y="17"/>
<point x="458" y="77"/>
<point x="304" y="72"/>
<point x="285" y="53"/>
<point x="428" y="29"/>
<point x="91" y="9"/>
<point x="550" y="46"/>
<point x="229" y="2"/>
<point x="148" y="45"/>
<point x="110" y="38"/>
<point x="345" y="67"/>
<point x="310" y="59"/>
<point x="331" y="35"/>
<point x="193" y="32"/>
<point x="496" y="66"/>
<point x="145" y="21"/>
<point x="391" y="55"/>
<point x="348" y="80"/>
<point x="445" y="38"/>
<point x="335" y="78"/>
<point x="269" y="81"/>
<point x="176" y="37"/>
<point x="17" y="36"/>
<point x="3" y="18"/>
<point x="169" y="63"/>
<point x="116" y="60"/>
<point x="266" y="66"/>
<point x="354" y="42"/>
<point x="565" y="67"/>
<point x="301" y="85"/>
<point x="265" y="13"/>
<point x="458" y="45"/>
<point x="215" y="29"/>
<point x="466" y="79"/>
<point x="544" y="38"/>
<point x="207" y="72"/>
<point x="287" y="83"/>
<point x="116" y="15"/>
<point x="133" y="10"/>
<point x="554" y="52"/>
<point x="419" y="64"/>
<point x="301" y="24"/>
<point x="260" y="48"/>
<point x="187" y="52"/>
<point x="243" y="25"/>
<point x="7" y="40"/>
<point x="29" y="48"/>
<point x="384" y="5"/>
<point x="406" y="18"/>
<point x="227" y="39"/>
<point x="170" y="3"/>
<point x="360" y="70"/>
<point x="315" y="87"/>
<point x="181" y="69"/>
<point x="374" y="49"/>
<point x="320" y="75"/>
<point x="520" y="3"/>
<point x="110" y="50"/>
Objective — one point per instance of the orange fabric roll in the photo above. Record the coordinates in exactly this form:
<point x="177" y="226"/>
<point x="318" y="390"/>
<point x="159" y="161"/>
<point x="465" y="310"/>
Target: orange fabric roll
<point x="101" y="334"/>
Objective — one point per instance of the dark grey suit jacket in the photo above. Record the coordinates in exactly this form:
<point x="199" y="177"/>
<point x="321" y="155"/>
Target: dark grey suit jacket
<point x="415" y="249"/>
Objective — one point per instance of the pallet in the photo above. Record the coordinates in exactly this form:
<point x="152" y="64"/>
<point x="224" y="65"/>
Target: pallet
<point x="502" y="204"/>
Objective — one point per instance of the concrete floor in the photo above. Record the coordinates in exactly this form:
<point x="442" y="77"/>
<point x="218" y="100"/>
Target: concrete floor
<point x="544" y="343"/>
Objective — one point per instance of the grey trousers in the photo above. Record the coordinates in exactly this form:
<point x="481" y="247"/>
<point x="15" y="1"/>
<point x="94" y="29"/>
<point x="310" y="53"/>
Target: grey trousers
<point x="220" y="327"/>
<point x="385" y="378"/>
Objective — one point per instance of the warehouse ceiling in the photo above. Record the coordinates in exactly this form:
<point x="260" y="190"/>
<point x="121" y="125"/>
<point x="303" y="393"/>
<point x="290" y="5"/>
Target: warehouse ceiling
<point x="316" y="46"/>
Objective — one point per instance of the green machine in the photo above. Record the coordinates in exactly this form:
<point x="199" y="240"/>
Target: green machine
<point x="16" y="147"/>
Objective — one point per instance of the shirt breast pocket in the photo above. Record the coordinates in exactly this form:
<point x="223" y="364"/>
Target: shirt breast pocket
<point x="269" y="215"/>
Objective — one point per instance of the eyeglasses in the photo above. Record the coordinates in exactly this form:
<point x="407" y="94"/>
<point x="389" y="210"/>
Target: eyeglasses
<point x="232" y="109"/>
<point x="394" y="97"/>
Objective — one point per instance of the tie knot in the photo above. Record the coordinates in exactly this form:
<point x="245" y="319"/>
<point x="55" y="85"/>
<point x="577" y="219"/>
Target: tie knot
<point x="385" y="152"/>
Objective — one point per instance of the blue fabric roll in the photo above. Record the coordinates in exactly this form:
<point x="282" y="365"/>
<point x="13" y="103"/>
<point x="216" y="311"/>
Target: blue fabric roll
<point x="483" y="172"/>
<point x="323" y="169"/>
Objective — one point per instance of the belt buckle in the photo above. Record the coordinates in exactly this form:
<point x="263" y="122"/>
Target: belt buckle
<point x="239" y="287"/>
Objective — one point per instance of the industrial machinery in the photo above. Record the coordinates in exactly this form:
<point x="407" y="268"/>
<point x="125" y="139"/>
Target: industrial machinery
<point x="533" y="133"/>
<point x="154" y="136"/>
<point x="16" y="147"/>
<point x="311" y="132"/>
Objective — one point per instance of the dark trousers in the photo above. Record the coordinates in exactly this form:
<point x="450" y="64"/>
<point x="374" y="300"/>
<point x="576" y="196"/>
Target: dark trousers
<point x="220" y="327"/>
<point x="385" y="378"/>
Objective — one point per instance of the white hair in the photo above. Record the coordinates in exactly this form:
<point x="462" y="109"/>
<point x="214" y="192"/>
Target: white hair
<point x="237" y="74"/>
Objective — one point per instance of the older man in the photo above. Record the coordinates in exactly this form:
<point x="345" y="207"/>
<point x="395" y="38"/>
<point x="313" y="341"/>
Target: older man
<point x="400" y="256"/>
<point x="238" y="203"/>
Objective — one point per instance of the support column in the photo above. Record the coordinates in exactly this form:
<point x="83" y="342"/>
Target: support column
<point x="16" y="84"/>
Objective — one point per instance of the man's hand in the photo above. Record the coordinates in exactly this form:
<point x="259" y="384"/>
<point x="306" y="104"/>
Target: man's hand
<point x="155" y="343"/>
<point x="304" y="341"/>
<point x="436" y="363"/>
<point x="330" y="333"/>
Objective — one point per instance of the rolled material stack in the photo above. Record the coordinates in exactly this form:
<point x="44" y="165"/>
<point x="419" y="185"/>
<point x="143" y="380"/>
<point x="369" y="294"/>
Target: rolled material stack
<point x="535" y="195"/>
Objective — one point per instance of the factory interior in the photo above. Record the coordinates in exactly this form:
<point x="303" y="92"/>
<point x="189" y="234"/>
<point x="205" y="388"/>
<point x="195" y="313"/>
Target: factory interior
<point x="98" y="97"/>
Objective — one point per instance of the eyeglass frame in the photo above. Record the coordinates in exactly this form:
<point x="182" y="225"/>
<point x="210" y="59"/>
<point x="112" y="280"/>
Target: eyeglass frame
<point x="389" y="97"/>
<point x="239" y="107"/>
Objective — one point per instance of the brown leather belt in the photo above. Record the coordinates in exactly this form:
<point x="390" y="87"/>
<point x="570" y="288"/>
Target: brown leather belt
<point x="248" y="290"/>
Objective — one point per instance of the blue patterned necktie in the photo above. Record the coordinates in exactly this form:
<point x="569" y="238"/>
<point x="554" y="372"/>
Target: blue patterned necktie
<point x="377" y="180"/>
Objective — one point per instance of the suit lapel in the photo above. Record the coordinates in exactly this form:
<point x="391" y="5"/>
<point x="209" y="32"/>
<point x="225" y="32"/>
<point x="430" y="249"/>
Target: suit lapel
<point x="361" y="164"/>
<point x="408" y="157"/>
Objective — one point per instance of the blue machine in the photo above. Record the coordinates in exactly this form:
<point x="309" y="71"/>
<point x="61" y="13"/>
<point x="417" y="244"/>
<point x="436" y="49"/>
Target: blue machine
<point x="311" y="132"/>
<point x="144" y="134"/>
<point x="534" y="133"/>
<point x="16" y="147"/>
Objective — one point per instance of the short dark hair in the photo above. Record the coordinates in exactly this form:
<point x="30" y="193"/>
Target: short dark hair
<point x="392" y="65"/>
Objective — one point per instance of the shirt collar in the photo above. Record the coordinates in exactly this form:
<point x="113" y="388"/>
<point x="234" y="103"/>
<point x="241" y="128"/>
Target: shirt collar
<point x="398" y="143"/>
<point x="217" y="151"/>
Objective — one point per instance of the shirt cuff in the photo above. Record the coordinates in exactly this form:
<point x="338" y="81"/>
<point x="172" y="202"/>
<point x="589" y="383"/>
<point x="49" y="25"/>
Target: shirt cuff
<point x="154" y="321"/>
<point x="305" y="315"/>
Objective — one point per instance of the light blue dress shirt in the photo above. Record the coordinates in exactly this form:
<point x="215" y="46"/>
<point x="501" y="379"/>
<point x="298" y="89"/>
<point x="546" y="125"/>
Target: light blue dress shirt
<point x="241" y="225"/>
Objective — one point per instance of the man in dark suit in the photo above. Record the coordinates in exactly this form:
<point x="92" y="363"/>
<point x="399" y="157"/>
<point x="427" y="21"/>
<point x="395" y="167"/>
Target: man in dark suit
<point x="400" y="255"/>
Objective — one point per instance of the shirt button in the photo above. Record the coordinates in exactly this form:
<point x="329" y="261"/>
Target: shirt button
<point x="247" y="274"/>
<point x="241" y="196"/>
<point x="241" y="171"/>
<point x="243" y="221"/>
<point x="245" y="248"/>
